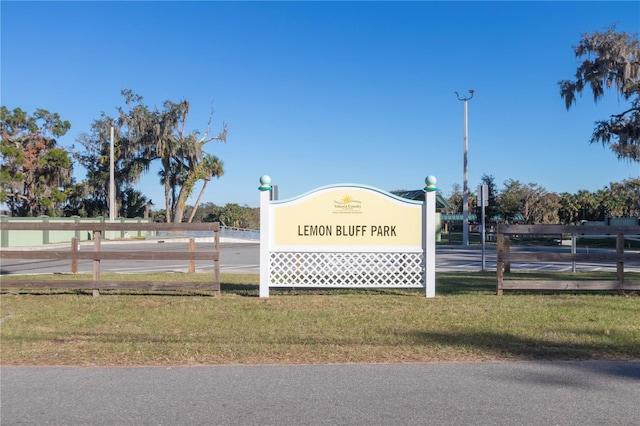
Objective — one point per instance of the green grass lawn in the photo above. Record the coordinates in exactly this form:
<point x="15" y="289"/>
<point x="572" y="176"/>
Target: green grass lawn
<point x="465" y="322"/>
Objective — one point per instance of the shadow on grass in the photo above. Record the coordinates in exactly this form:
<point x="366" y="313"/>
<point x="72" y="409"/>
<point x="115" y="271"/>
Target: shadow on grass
<point x="453" y="283"/>
<point x="492" y="345"/>
<point x="446" y="284"/>
<point x="248" y="290"/>
<point x="512" y="346"/>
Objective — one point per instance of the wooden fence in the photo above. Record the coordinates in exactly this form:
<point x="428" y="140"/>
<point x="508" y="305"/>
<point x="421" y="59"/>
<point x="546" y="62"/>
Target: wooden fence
<point x="96" y="284"/>
<point x="619" y="257"/>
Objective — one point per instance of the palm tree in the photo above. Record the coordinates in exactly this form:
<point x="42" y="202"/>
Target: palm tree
<point x="209" y="167"/>
<point x="587" y="204"/>
<point x="181" y="154"/>
<point x="167" y="143"/>
<point x="568" y="208"/>
<point x="190" y="156"/>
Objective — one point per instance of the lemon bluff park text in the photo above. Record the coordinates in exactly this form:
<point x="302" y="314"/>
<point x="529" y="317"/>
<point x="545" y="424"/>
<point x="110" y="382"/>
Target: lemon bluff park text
<point x="346" y="230"/>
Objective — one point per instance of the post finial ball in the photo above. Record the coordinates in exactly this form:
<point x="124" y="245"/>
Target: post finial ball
<point x="431" y="183"/>
<point x="265" y="183"/>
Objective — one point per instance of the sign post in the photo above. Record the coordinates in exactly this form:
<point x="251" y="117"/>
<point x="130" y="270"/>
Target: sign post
<point x="430" y="236"/>
<point x="265" y="195"/>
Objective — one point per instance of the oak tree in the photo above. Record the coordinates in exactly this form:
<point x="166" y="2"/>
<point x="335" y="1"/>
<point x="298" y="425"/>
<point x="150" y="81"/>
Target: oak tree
<point x="35" y="172"/>
<point x="611" y="61"/>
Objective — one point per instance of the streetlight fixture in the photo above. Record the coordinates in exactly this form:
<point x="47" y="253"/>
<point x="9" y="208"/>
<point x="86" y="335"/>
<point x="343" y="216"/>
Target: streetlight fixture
<point x="465" y="187"/>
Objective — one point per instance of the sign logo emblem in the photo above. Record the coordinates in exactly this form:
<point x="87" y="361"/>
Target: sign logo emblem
<point x="347" y="204"/>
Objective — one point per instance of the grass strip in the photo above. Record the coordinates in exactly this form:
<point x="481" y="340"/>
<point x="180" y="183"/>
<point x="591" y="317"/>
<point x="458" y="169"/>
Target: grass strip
<point x="465" y="322"/>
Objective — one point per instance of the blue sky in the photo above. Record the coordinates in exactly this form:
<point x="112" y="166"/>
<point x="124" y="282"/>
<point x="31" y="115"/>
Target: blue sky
<point x="319" y="93"/>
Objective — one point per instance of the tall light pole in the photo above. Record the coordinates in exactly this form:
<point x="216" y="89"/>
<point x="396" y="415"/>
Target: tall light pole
<point x="112" y="185"/>
<point x="465" y="187"/>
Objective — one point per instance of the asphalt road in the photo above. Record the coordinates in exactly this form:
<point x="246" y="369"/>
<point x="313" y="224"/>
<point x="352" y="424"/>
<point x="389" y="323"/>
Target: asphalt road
<point x="519" y="393"/>
<point x="243" y="257"/>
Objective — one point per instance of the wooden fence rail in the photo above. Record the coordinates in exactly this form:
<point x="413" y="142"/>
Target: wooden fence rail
<point x="96" y="284"/>
<point x="505" y="257"/>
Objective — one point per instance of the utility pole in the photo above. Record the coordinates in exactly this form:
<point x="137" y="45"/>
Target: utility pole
<point x="465" y="187"/>
<point x="112" y="185"/>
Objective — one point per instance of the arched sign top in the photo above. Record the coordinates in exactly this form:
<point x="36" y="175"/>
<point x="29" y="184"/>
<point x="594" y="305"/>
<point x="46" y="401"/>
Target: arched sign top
<point x="346" y="186"/>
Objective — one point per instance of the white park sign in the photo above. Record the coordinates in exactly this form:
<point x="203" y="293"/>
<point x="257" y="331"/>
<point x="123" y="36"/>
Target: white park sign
<point x="347" y="235"/>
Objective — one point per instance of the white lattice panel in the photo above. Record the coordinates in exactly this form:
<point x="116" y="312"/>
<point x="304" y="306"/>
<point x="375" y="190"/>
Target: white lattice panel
<point x="340" y="269"/>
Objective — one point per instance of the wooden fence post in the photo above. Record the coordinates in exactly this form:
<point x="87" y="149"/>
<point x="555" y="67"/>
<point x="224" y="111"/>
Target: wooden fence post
<point x="507" y="249"/>
<point x="192" y="248"/>
<point x="620" y="265"/>
<point x="74" y="249"/>
<point x="97" y="238"/>
<point x="500" y="264"/>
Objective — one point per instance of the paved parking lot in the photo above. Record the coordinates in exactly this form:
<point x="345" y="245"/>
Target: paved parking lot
<point x="457" y="258"/>
<point x="243" y="257"/>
